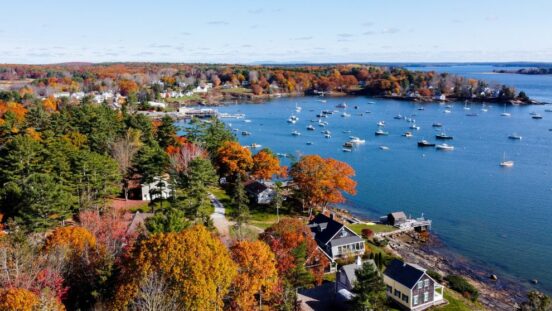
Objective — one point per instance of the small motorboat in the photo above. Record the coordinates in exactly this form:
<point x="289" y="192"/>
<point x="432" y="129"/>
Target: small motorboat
<point x="310" y="128"/>
<point x="348" y="145"/>
<point x="327" y="136"/>
<point x="347" y="132"/>
<point x="536" y="116"/>
<point x="515" y="137"/>
<point x="345" y="115"/>
<point x="381" y="132"/>
<point x="247" y="121"/>
<point x="326" y="132"/>
<point x="342" y="105"/>
<point x="347" y="150"/>
<point x="421" y="108"/>
<point x="398" y="117"/>
<point x="371" y="102"/>
<point x="407" y="134"/>
<point x="414" y="127"/>
<point x="384" y="148"/>
<point x="309" y="143"/>
<point x="255" y="146"/>
<point x="444" y="147"/>
<point x="437" y="124"/>
<point x="506" y="114"/>
<point x="443" y="136"/>
<point x="295" y="133"/>
<point x="245" y="133"/>
<point x="381" y="123"/>
<point x="447" y="111"/>
<point x="425" y="143"/>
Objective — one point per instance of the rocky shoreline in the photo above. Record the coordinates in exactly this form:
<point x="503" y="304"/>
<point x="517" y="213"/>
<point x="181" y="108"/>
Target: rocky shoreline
<point x="500" y="294"/>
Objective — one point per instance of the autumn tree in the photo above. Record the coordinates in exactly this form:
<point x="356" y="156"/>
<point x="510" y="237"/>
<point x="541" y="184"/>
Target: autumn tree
<point x="321" y="181"/>
<point x="123" y="151"/>
<point x="127" y="87"/>
<point x="194" y="263"/>
<point x="295" y="248"/>
<point x="234" y="159"/>
<point x="266" y="164"/>
<point x="257" y="274"/>
<point x="18" y="299"/>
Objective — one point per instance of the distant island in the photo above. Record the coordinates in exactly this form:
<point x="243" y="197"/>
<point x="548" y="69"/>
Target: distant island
<point x="155" y="85"/>
<point x="528" y="71"/>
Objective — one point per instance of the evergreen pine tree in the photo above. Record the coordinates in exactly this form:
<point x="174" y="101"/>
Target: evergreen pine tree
<point x="369" y="289"/>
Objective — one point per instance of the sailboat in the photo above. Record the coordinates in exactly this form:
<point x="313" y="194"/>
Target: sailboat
<point x="297" y="108"/>
<point x="466" y="105"/>
<point x="505" y="163"/>
<point x="505" y="114"/>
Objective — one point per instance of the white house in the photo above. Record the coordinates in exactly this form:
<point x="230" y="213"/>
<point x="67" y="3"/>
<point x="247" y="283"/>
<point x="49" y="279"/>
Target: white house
<point x="260" y="192"/>
<point x="345" y="279"/>
<point x="158" y="188"/>
<point x="411" y="287"/>
<point x="157" y="105"/>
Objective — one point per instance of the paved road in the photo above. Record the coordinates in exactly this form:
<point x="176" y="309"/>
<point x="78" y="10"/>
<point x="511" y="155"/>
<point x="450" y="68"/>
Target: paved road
<point x="220" y="221"/>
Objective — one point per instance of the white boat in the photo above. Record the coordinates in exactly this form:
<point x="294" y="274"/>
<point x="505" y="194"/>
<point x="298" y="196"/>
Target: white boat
<point x="381" y="123"/>
<point x="506" y="163"/>
<point x="297" y="108"/>
<point x="345" y="115"/>
<point x="295" y="133"/>
<point x="255" y="145"/>
<point x="447" y="111"/>
<point x="380" y="132"/>
<point x="371" y="102"/>
<point x="326" y="132"/>
<point x="322" y="100"/>
<point x="310" y="128"/>
<point x="342" y="105"/>
<point x="414" y="127"/>
<point x="347" y="132"/>
<point x="347" y="150"/>
<point x="407" y="134"/>
<point x="247" y="121"/>
<point x="356" y="140"/>
<point x="309" y="143"/>
<point x="444" y="147"/>
<point x="398" y="117"/>
<point x="327" y="135"/>
<point x="536" y="116"/>
<point x="515" y="136"/>
<point x="385" y="148"/>
<point x="505" y="114"/>
<point x="245" y="133"/>
<point x="291" y="121"/>
<point x="466" y="105"/>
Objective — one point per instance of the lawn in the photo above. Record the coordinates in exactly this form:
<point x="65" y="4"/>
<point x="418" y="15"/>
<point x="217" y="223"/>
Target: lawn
<point x="239" y="90"/>
<point x="458" y="303"/>
<point x="376" y="228"/>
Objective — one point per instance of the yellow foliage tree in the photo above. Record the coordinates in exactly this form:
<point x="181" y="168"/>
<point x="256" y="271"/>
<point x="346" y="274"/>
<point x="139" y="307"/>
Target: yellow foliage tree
<point x="194" y="263"/>
<point x="74" y="237"/>
<point x="18" y="299"/>
<point x="257" y="274"/>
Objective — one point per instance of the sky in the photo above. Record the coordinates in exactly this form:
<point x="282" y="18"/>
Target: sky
<point x="238" y="31"/>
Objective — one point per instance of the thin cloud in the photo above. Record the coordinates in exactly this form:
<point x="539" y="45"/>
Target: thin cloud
<point x="217" y="23"/>
<point x="306" y="38"/>
<point x="256" y="11"/>
<point x="390" y="30"/>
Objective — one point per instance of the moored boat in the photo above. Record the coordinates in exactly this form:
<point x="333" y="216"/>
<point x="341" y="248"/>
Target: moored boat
<point x="443" y="136"/>
<point x="425" y="143"/>
<point x="381" y="132"/>
<point x="515" y="136"/>
<point x="444" y="147"/>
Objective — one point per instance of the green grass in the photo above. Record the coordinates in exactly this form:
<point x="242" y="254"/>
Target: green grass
<point x="458" y="303"/>
<point x="376" y="228"/>
<point x="239" y="90"/>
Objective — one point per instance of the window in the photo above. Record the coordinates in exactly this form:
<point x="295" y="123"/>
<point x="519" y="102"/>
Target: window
<point x="426" y="283"/>
<point x="397" y="293"/>
<point x="415" y="299"/>
<point x="389" y="289"/>
<point x="426" y="296"/>
<point x="420" y="284"/>
<point x="405" y="298"/>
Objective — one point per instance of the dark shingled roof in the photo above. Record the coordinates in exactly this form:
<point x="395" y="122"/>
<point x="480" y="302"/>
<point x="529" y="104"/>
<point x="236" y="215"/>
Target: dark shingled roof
<point x="255" y="187"/>
<point x="331" y="228"/>
<point x="403" y="273"/>
<point x="346" y="240"/>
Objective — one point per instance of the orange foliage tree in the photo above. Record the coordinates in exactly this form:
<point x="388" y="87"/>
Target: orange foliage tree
<point x="266" y="165"/>
<point x="127" y="87"/>
<point x="74" y="237"/>
<point x="18" y="299"/>
<point x="257" y="274"/>
<point x="321" y="181"/>
<point x="194" y="264"/>
<point x="287" y="236"/>
<point x="234" y="159"/>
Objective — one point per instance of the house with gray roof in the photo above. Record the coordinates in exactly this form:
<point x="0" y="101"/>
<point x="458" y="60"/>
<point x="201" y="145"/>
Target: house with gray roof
<point x="335" y="239"/>
<point x="411" y="287"/>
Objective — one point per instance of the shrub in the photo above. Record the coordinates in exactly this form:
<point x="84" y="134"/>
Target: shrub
<point x="435" y="275"/>
<point x="367" y="233"/>
<point x="461" y="285"/>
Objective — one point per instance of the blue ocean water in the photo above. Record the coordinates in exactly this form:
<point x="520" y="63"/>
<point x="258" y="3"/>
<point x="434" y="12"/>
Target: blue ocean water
<point x="498" y="217"/>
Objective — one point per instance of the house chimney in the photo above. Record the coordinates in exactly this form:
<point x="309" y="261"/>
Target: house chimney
<point x="359" y="261"/>
<point x="332" y="216"/>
